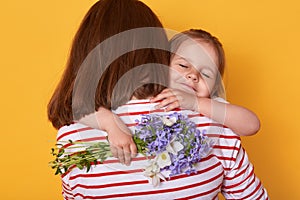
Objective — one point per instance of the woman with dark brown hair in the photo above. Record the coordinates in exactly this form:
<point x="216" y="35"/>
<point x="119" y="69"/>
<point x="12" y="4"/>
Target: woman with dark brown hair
<point x="105" y="19"/>
<point x="99" y="57"/>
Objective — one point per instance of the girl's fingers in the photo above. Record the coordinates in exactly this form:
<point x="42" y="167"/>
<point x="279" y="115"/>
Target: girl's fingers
<point x="164" y="94"/>
<point x="133" y="150"/>
<point x="127" y="155"/>
<point x="114" y="151"/>
<point x="172" y="106"/>
<point x="121" y="156"/>
<point x="124" y="153"/>
<point x="166" y="102"/>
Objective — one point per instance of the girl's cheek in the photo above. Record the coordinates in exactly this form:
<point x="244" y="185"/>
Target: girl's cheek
<point x="175" y="73"/>
<point x="175" y="78"/>
<point x="210" y="85"/>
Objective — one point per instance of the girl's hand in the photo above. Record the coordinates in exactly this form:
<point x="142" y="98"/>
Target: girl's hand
<point x="121" y="143"/>
<point x="119" y="136"/>
<point x="172" y="98"/>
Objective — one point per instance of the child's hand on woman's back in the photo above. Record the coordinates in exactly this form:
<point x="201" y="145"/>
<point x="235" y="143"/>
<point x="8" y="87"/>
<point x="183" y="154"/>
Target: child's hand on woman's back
<point x="119" y="136"/>
<point x="174" y="98"/>
<point x="121" y="142"/>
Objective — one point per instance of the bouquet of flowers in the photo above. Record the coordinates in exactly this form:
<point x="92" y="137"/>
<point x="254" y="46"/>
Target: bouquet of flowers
<point x="172" y="143"/>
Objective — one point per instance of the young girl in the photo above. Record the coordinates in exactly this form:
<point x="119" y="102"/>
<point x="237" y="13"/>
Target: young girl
<point x="197" y="65"/>
<point x="196" y="82"/>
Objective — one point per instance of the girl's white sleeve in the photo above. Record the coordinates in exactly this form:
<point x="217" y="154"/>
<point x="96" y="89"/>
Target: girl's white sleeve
<point x="219" y="99"/>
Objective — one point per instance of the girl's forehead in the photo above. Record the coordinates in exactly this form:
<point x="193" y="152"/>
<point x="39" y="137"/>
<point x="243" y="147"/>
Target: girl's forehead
<point x="197" y="53"/>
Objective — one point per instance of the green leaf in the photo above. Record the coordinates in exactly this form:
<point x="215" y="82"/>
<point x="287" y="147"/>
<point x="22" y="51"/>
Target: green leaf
<point x="88" y="167"/>
<point x="61" y="152"/>
<point x="65" y="167"/>
<point x="58" y="171"/>
<point x="79" y="166"/>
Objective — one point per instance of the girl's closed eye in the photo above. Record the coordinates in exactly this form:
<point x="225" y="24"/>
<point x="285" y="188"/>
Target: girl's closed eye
<point x="206" y="75"/>
<point x="183" y="66"/>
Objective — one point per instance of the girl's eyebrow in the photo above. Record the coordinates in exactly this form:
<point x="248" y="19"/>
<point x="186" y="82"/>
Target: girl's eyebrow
<point x="186" y="60"/>
<point x="181" y="58"/>
<point x="209" y="69"/>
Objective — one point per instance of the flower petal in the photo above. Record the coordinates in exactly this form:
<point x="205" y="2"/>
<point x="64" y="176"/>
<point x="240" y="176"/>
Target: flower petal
<point x="177" y="146"/>
<point x="163" y="159"/>
<point x="155" y="181"/>
<point x="161" y="176"/>
<point x="169" y="121"/>
<point x="174" y="147"/>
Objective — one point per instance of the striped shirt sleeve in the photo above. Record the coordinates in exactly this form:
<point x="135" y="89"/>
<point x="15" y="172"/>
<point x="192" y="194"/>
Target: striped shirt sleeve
<point x="67" y="191"/>
<point x="240" y="182"/>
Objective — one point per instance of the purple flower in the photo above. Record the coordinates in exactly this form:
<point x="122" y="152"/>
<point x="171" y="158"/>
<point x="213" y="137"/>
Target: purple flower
<point x="158" y="132"/>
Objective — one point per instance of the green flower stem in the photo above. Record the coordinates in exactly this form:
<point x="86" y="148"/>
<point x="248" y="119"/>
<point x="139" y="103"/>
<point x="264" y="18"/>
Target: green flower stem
<point x="91" y="152"/>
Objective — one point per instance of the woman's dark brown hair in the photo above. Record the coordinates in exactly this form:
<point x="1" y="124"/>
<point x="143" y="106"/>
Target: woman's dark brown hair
<point x="90" y="82"/>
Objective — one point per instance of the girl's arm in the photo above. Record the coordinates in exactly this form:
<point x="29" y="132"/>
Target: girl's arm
<point x="239" y="119"/>
<point x="121" y="143"/>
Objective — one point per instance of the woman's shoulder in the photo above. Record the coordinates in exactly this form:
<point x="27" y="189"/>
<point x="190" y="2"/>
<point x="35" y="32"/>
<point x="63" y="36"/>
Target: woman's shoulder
<point x="135" y="106"/>
<point x="70" y="127"/>
<point x="78" y="131"/>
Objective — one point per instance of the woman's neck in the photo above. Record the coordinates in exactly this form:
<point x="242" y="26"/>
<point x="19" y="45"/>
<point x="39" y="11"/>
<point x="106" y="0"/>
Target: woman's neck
<point x="134" y="98"/>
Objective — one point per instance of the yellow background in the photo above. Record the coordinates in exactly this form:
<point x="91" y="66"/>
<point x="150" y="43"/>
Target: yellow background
<point x="261" y="40"/>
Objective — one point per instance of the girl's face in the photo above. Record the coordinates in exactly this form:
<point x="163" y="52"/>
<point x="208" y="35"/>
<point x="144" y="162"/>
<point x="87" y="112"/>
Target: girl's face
<point x="193" y="68"/>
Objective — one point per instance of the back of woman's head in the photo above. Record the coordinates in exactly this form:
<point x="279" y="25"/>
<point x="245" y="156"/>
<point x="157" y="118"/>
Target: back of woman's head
<point x="113" y="38"/>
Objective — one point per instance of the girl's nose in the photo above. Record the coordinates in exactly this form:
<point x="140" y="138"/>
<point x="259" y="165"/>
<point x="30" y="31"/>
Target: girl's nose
<point x="193" y="77"/>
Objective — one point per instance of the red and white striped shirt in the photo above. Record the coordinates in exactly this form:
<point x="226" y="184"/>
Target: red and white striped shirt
<point x="226" y="169"/>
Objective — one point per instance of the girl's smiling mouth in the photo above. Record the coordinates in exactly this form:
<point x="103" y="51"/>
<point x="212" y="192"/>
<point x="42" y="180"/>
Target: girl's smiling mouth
<point x="189" y="87"/>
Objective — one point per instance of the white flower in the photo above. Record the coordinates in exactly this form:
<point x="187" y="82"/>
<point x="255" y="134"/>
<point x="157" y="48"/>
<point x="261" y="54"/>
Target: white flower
<point x="155" y="180"/>
<point x="163" y="159"/>
<point x="169" y="121"/>
<point x="152" y="169"/>
<point x="153" y="172"/>
<point x="174" y="147"/>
